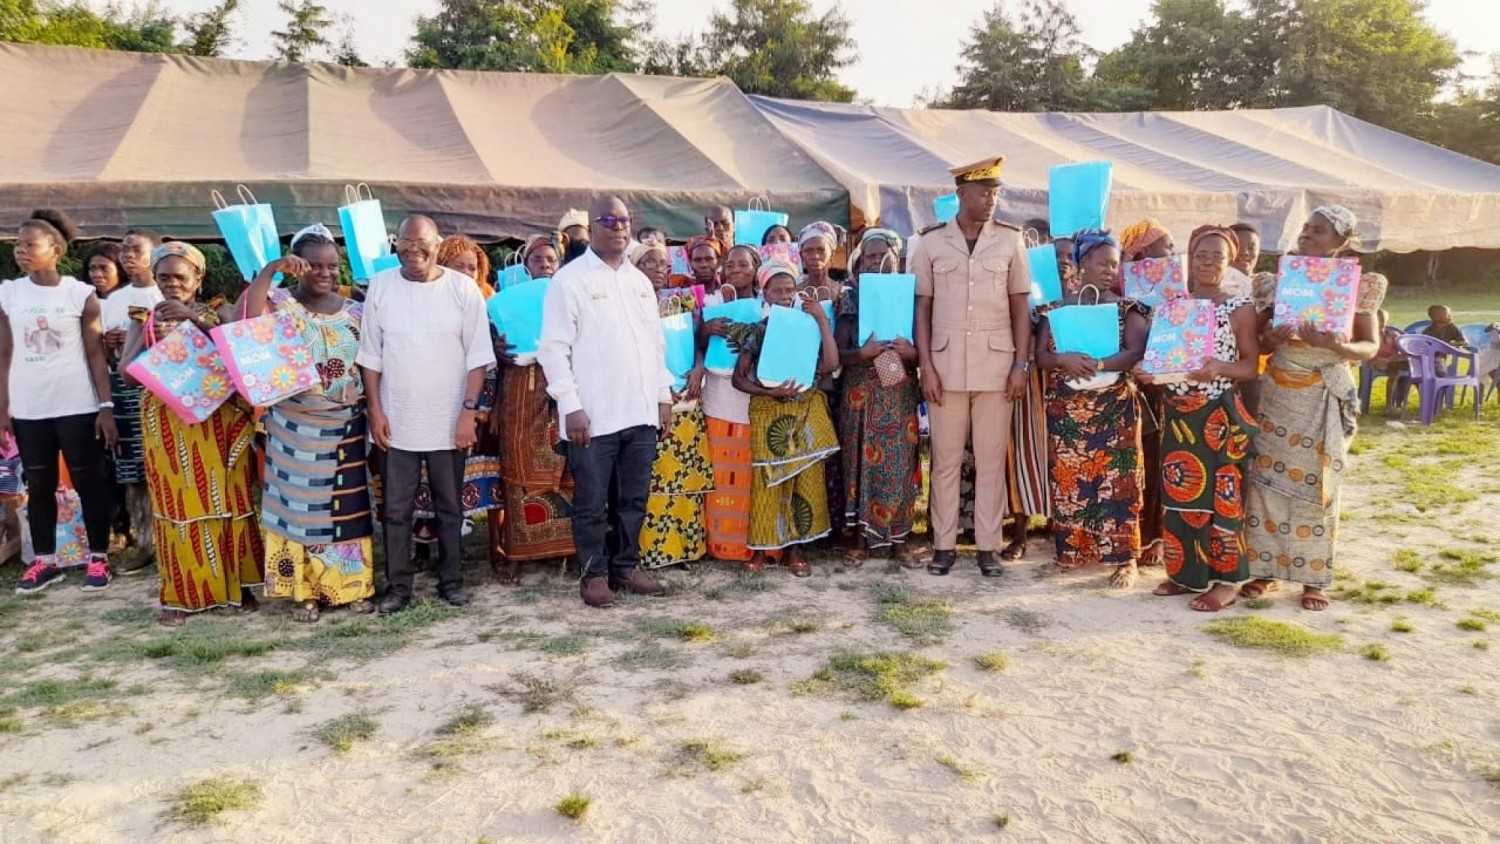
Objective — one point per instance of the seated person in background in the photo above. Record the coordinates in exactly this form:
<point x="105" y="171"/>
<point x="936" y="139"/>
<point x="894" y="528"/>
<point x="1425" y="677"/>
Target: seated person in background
<point x="1442" y="327"/>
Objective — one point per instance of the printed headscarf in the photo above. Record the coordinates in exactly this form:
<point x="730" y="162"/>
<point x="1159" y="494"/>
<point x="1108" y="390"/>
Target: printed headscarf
<point x="1087" y="241"/>
<point x="552" y="239"/>
<point x="641" y="250"/>
<point x="703" y="240"/>
<point x="178" y="249"/>
<point x="814" y="231"/>
<point x="1342" y="219"/>
<point x="891" y="239"/>
<point x="771" y="269"/>
<point x="1137" y="238"/>
<point x="1222" y="231"/>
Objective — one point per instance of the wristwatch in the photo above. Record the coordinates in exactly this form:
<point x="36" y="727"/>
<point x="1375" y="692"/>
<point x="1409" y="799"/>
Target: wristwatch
<point x="471" y="404"/>
<point x="1023" y="365"/>
<point x="1099" y="365"/>
<point x="106" y="405"/>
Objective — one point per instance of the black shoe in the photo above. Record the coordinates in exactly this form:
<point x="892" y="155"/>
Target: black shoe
<point x="455" y="596"/>
<point x="393" y="602"/>
<point x="988" y="565"/>
<point x="942" y="562"/>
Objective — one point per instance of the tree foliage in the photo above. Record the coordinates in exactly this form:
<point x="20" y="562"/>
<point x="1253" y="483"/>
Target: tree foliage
<point x="146" y="29"/>
<point x="539" y="36"/>
<point x="209" y="32"/>
<point x="304" y="36"/>
<point x="1031" y="61"/>
<point x="778" y="48"/>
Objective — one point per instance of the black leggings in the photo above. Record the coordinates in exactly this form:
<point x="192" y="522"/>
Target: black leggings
<point x="39" y="441"/>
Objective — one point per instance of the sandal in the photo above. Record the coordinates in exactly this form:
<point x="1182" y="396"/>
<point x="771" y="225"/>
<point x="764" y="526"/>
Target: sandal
<point x="307" y="613"/>
<point x="800" y="568"/>
<point x="248" y="604"/>
<point x="1169" y="589"/>
<point x="1208" y="603"/>
<point x="1151" y="555"/>
<point x="1315" y="601"/>
<point x="906" y="559"/>
<point x="1014" y="551"/>
<point x="362" y="607"/>
<point x="1256" y="588"/>
<point x="1124" y="576"/>
<point x="855" y="557"/>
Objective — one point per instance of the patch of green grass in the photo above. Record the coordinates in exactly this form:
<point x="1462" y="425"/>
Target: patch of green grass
<point x="1372" y="592"/>
<point x="13" y="781"/>
<point x="54" y="693"/>
<point x="1476" y="625"/>
<point x="1407" y="560"/>
<point x="192" y="648"/>
<point x="1401" y="625"/>
<point x="263" y="684"/>
<point x="1026" y="621"/>
<point x="1468" y="690"/>
<point x="9" y="722"/>
<point x="1261" y="603"/>
<point x="887" y="676"/>
<point x="1490" y="774"/>
<point x="366" y="638"/>
<point x="1124" y="757"/>
<point x="1002" y="821"/>
<point x="964" y="772"/>
<point x="1425" y="596"/>
<point x="1481" y="645"/>
<point x="202" y="803"/>
<point x="750" y="584"/>
<point x="1377" y="653"/>
<point x="652" y="657"/>
<point x="1429" y="491"/>
<point x="568" y="644"/>
<point x="795" y="627"/>
<point x="746" y="677"/>
<point x="714" y="593"/>
<point x="1277" y="637"/>
<point x="573" y="807"/>
<point x="992" y="661"/>
<point x="538" y="694"/>
<point x="1486" y="613"/>
<point x="925" y="622"/>
<point x="708" y="754"/>
<point x="341" y="734"/>
<point x="473" y="719"/>
<point x="1460" y="568"/>
<point x="77" y="712"/>
<point x="669" y="628"/>
<point x="739" y="650"/>
<point x="570" y="739"/>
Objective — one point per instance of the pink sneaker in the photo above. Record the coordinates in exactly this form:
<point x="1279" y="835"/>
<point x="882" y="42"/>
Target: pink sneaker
<point x="39" y="577"/>
<point x="98" y="575"/>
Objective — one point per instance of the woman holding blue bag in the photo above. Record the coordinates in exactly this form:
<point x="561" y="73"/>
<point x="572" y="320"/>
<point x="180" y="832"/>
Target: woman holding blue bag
<point x="315" y="509"/>
<point x="792" y="437"/>
<point x="877" y="416"/>
<point x="727" y="415"/>
<point x="1093" y="421"/>
<point x="1205" y="441"/>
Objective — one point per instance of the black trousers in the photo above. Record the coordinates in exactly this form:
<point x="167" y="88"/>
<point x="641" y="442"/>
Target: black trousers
<point x="39" y="442"/>
<point x="618" y="463"/>
<point x="402" y="473"/>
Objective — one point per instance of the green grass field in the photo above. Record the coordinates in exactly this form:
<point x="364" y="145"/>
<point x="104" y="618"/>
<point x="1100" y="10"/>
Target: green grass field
<point x="1468" y="304"/>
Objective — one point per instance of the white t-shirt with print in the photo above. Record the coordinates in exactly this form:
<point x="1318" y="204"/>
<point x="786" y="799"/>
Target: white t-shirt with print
<point x="115" y="311"/>
<point x="49" y="370"/>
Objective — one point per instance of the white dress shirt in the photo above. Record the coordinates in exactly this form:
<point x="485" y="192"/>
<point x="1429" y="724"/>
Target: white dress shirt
<point x="602" y="346"/>
<point x="424" y="339"/>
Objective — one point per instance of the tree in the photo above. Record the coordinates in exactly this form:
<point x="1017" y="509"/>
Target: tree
<point x="1199" y="54"/>
<point x="209" y="33"/>
<point x="1033" y="62"/>
<point x="146" y="29"/>
<point x="779" y="48"/>
<point x="306" y="23"/>
<point x="539" y="36"/>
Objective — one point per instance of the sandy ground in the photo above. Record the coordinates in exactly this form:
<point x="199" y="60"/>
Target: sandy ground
<point x="1223" y="743"/>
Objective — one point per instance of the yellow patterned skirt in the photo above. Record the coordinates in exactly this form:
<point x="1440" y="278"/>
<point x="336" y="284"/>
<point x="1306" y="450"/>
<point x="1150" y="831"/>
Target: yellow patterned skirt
<point x="789" y="441"/>
<point x="683" y="474"/>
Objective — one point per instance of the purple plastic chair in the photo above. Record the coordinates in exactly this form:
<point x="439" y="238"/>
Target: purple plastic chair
<point x="1426" y="376"/>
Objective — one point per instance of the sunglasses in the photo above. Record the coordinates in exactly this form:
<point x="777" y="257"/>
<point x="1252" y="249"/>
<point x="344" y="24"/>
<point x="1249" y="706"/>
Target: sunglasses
<point x="610" y="221"/>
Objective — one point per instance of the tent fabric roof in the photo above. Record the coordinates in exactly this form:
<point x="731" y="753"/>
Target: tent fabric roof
<point x="126" y="139"/>
<point x="1268" y="167"/>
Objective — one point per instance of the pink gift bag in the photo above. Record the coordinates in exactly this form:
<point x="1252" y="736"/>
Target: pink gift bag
<point x="1181" y="341"/>
<point x="1153" y="281"/>
<point x="267" y="357"/>
<point x="185" y="371"/>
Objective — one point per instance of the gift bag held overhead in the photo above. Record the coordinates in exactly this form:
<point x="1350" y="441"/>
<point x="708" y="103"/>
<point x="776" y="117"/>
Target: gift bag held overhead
<point x="1092" y="330"/>
<point x="1181" y="341"/>
<point x="887" y="306"/>
<point x="1321" y="292"/>
<point x="751" y="224"/>
<point x="1046" y="280"/>
<point x="681" y="346"/>
<point x="1154" y="281"/>
<point x="719" y="358"/>
<point x="789" y="351"/>
<point x="267" y="358"/>
<point x="945" y="207"/>
<point x="184" y="370"/>
<point x="1078" y="196"/>
<point x="249" y="230"/>
<point x="365" y="234"/>
<point x="516" y="312"/>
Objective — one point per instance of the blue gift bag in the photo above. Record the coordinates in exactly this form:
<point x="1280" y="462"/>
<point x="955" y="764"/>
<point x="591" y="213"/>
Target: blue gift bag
<point x="386" y="262"/>
<point x="516" y="313"/>
<point x="720" y="359"/>
<point x="365" y="235"/>
<point x="751" y="224"/>
<point x="945" y="207"/>
<point x="681" y="345"/>
<point x="1093" y="330"/>
<point x="511" y="276"/>
<point x="249" y="230"/>
<point x="1046" y="280"/>
<point x="789" y="351"/>
<point x="1078" y="196"/>
<point x="887" y="306"/>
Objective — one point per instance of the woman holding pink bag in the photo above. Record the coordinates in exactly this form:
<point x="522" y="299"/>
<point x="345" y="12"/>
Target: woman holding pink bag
<point x="200" y="476"/>
<point x="54" y="396"/>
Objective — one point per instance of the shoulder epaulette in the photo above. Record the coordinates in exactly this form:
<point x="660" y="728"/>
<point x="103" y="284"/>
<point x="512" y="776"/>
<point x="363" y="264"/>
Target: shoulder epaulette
<point x="1004" y="224"/>
<point x="932" y="228"/>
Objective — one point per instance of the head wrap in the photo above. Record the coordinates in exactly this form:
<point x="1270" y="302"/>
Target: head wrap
<point x="771" y="269"/>
<point x="1222" y="231"/>
<point x="1137" y="238"/>
<point x="891" y="239"/>
<point x="574" y="217"/>
<point x="314" y="230"/>
<point x="177" y="249"/>
<point x="641" y="250"/>
<point x="552" y="239"/>
<point x="455" y="245"/>
<point x="704" y="240"/>
<point x="820" y="229"/>
<point x="1342" y="219"/>
<point x="1088" y="240"/>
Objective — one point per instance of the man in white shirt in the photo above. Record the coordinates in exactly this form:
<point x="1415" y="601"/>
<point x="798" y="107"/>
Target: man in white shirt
<point x="604" y="354"/>
<point x="424" y="348"/>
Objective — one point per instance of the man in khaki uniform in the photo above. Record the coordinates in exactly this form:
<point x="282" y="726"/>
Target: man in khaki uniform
<point x="973" y="313"/>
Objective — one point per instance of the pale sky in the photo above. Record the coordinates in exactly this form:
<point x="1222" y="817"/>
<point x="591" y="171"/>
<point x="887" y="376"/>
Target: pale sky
<point x="900" y="53"/>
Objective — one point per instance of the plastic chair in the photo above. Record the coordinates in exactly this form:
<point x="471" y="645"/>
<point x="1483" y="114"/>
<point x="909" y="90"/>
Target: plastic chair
<point x="1477" y="335"/>
<point x="1416" y="327"/>
<point x="1422" y="352"/>
<point x="1367" y="376"/>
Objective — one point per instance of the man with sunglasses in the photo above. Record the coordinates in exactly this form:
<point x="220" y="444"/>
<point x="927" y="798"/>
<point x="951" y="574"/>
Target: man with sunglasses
<point x="604" y="354"/>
